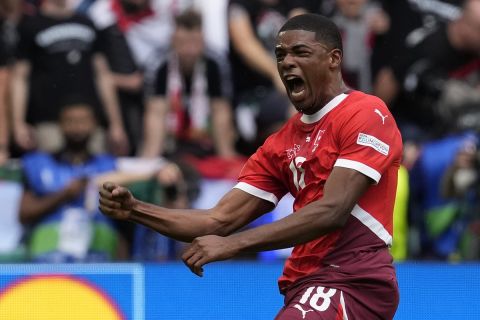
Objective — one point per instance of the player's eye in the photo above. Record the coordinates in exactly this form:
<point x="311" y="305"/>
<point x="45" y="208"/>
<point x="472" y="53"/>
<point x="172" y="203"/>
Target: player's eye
<point x="302" y="53"/>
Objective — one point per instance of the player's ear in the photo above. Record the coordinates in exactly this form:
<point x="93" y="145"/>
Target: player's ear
<point x="335" y="58"/>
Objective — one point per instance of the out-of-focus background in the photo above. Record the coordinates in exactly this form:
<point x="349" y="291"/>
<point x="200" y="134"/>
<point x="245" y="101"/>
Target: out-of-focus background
<point x="170" y="97"/>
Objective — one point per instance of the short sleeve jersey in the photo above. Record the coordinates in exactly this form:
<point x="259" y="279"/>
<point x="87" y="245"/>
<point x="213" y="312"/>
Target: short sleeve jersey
<point x="60" y="51"/>
<point x="7" y="44"/>
<point x="354" y="131"/>
<point x="214" y="88"/>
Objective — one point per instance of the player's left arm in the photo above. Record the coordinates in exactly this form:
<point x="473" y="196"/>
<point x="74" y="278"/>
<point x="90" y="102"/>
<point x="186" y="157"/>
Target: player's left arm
<point x="342" y="191"/>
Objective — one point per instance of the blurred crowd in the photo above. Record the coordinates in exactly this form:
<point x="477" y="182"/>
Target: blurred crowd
<point x="170" y="97"/>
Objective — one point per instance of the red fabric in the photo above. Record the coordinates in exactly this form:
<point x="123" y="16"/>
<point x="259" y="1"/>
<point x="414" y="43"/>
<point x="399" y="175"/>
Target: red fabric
<point x="124" y="19"/>
<point x="218" y="168"/>
<point x="299" y="159"/>
<point x="339" y="315"/>
<point x="466" y="70"/>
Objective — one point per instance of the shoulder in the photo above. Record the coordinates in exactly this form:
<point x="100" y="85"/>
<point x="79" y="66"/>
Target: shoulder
<point x="34" y="162"/>
<point x="360" y="100"/>
<point x="29" y="22"/>
<point x="363" y="107"/>
<point x="102" y="14"/>
<point x="279" y="141"/>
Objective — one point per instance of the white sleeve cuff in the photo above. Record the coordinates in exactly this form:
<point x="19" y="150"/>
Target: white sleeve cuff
<point x="360" y="167"/>
<point x="259" y="193"/>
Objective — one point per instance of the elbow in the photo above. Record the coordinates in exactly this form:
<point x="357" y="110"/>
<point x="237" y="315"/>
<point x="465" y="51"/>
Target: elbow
<point x="334" y="217"/>
<point x="24" y="218"/>
<point x="340" y="215"/>
<point x="219" y="228"/>
<point x="339" y="220"/>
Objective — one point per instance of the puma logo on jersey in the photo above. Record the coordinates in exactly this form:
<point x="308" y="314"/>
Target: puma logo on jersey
<point x="381" y="115"/>
<point x="304" y="312"/>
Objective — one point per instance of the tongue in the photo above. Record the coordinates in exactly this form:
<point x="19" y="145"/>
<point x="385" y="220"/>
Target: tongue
<point x="298" y="86"/>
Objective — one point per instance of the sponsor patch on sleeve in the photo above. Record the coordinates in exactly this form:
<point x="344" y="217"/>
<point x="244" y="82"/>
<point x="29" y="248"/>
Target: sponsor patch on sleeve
<point x="373" y="142"/>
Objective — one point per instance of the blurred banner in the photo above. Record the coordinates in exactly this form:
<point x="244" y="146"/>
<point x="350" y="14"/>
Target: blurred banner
<point x="239" y="290"/>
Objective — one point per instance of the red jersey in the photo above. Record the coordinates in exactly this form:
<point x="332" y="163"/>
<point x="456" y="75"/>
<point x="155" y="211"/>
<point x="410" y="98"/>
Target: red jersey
<point x="355" y="131"/>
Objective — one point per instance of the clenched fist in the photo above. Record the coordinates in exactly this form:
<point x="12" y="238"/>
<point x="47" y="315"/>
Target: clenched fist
<point x="116" y="201"/>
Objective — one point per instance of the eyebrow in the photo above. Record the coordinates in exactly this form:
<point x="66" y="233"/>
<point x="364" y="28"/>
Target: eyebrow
<point x="293" y="47"/>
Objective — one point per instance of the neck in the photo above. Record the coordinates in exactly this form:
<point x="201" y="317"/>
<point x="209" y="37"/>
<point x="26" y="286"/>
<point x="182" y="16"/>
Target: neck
<point x="75" y="155"/>
<point x="334" y="89"/>
<point x="55" y="9"/>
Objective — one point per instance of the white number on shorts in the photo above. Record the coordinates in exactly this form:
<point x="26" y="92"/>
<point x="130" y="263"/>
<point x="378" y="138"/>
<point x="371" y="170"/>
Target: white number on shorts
<point x="320" y="294"/>
<point x="296" y="167"/>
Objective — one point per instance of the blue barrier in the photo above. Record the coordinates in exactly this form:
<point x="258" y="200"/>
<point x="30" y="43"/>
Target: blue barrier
<point x="230" y="290"/>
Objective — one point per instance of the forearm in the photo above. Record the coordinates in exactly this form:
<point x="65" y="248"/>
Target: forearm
<point x="107" y="91"/>
<point x="4" y="129"/>
<point x="248" y="46"/>
<point x="129" y="82"/>
<point x="154" y="128"/>
<point x="342" y="191"/>
<point x="386" y="86"/>
<point x="154" y="134"/>
<point x="223" y="131"/>
<point x="307" y="224"/>
<point x="33" y="208"/>
<point x="19" y="92"/>
<point x="182" y="225"/>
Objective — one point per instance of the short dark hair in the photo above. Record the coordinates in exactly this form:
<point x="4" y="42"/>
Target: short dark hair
<point x="326" y="31"/>
<point x="190" y="19"/>
<point x="74" y="101"/>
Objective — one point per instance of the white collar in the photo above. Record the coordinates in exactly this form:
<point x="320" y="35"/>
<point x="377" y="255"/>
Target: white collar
<point x="312" y="118"/>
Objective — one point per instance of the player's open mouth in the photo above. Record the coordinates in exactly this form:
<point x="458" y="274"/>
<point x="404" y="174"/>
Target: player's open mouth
<point x="295" y="85"/>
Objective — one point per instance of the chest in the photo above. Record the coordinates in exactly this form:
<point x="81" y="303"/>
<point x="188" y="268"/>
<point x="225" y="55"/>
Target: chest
<point x="71" y="40"/>
<point x="309" y="159"/>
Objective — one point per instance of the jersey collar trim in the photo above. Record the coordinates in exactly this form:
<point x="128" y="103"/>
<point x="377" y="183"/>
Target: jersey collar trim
<point x="312" y="118"/>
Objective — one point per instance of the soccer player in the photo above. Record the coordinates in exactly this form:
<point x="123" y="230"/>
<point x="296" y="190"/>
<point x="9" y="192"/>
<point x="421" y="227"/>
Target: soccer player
<point x="338" y="157"/>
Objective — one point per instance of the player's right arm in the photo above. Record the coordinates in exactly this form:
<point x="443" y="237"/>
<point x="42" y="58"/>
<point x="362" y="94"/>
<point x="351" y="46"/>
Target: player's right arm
<point x="22" y="133"/>
<point x="155" y="129"/>
<point x="235" y="210"/>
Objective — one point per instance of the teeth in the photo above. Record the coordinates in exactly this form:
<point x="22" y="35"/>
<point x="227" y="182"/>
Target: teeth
<point x="296" y="94"/>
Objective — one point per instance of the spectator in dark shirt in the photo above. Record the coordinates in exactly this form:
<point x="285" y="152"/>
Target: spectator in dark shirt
<point x="57" y="206"/>
<point x="259" y="96"/>
<point x="59" y="56"/>
<point x="414" y="74"/>
<point x="190" y="101"/>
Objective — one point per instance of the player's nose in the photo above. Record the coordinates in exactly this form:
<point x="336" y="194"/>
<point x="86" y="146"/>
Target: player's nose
<point x="288" y="62"/>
